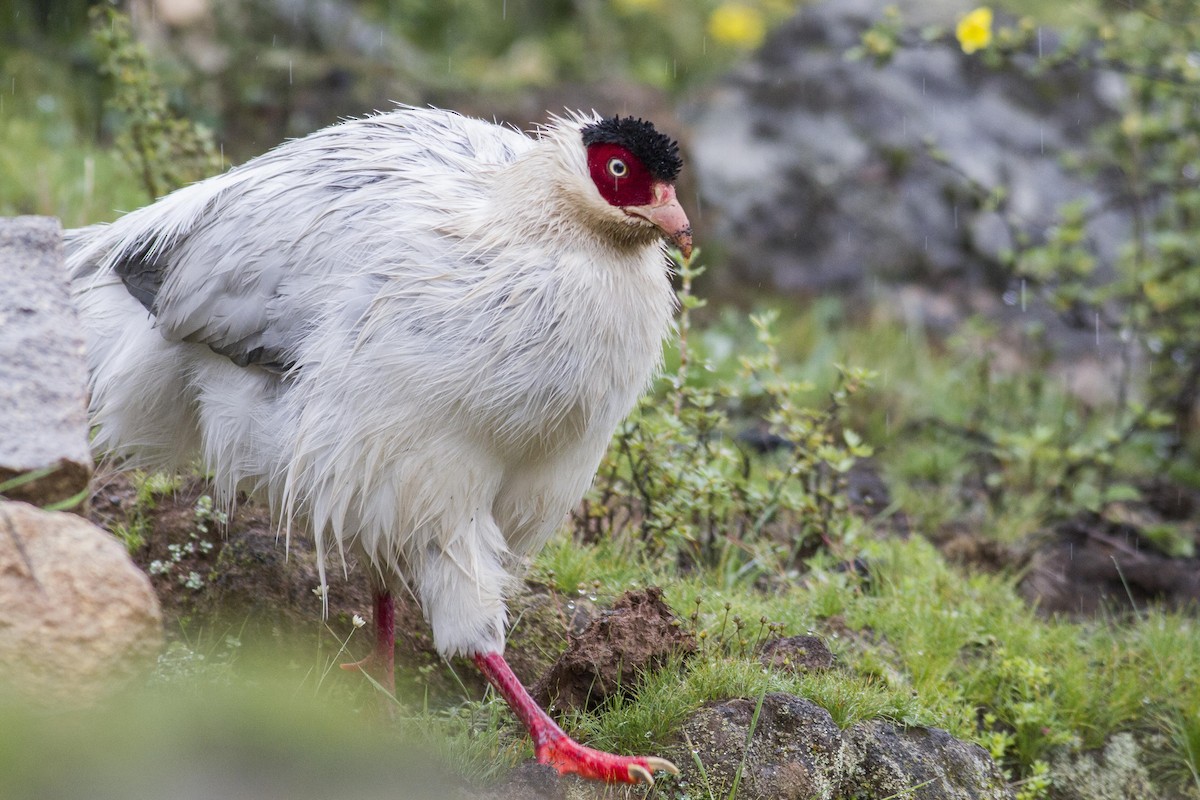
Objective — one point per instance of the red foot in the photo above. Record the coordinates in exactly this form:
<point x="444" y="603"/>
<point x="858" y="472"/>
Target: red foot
<point x="567" y="755"/>
<point x="552" y="746"/>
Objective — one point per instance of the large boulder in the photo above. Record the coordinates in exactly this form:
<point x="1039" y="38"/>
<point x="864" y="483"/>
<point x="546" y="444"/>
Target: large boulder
<point x="43" y="374"/>
<point x="78" y="617"/>
<point x="815" y="174"/>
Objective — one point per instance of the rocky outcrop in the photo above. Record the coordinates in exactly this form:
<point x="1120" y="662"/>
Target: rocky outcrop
<point x="77" y="617"/>
<point x="43" y="375"/>
<point x="797" y="751"/>
<point x="814" y="170"/>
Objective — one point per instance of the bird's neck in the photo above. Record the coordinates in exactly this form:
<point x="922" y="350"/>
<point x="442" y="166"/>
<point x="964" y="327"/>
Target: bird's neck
<point x="543" y="197"/>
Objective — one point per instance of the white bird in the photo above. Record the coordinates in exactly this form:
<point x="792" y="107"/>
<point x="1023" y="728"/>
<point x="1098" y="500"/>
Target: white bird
<point x="414" y="334"/>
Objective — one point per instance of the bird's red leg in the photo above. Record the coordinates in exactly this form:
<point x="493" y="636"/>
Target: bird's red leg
<point x="381" y="664"/>
<point x="552" y="746"/>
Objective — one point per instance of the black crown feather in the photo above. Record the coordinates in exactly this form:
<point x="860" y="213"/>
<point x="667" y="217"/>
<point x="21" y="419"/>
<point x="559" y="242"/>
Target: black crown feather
<point x="659" y="152"/>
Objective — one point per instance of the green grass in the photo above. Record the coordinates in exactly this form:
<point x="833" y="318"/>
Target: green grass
<point x="150" y="487"/>
<point x="927" y="645"/>
<point x="40" y="173"/>
<point x="49" y="161"/>
<point x="918" y="643"/>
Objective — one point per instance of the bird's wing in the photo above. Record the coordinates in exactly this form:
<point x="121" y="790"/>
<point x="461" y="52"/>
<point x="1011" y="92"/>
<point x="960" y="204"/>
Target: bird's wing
<point x="247" y="262"/>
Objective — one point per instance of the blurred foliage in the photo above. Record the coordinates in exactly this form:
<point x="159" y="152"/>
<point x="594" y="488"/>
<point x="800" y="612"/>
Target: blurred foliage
<point x="506" y="43"/>
<point x="255" y="734"/>
<point x="163" y="147"/>
<point x="45" y="168"/>
<point x="27" y="22"/>
<point x="254" y="72"/>
<point x="52" y="159"/>
<point x="1154" y="298"/>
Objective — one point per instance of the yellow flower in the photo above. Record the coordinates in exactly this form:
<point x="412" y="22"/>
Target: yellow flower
<point x="974" y="31"/>
<point x="738" y="25"/>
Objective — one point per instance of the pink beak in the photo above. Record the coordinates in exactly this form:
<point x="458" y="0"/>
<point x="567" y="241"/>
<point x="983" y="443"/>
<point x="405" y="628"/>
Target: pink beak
<point x="667" y="215"/>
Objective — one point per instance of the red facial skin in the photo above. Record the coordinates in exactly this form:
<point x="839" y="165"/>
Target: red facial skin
<point x="633" y="188"/>
<point x="625" y="183"/>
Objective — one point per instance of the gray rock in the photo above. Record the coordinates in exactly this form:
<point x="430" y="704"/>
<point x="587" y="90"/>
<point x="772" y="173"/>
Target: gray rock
<point x="922" y="763"/>
<point x="1118" y="772"/>
<point x="813" y="169"/>
<point x="797" y="654"/>
<point x="79" y="618"/>
<point x="43" y="375"/>
<point x="797" y="751"/>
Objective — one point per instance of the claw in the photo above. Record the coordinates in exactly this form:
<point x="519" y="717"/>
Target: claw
<point x="638" y="772"/>
<point x="656" y="763"/>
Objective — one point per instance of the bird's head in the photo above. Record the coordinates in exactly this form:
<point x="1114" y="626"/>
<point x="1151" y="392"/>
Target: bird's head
<point x="633" y="167"/>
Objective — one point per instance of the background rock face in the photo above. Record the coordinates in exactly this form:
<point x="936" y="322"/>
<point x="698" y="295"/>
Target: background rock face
<point x="813" y="170"/>
<point x="43" y="376"/>
<point x="76" y="616"/>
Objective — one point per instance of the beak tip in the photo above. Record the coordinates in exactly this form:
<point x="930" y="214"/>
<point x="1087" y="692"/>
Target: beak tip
<point x="668" y="216"/>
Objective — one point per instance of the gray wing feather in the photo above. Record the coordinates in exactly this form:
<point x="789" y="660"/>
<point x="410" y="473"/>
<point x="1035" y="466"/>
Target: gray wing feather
<point x="248" y="262"/>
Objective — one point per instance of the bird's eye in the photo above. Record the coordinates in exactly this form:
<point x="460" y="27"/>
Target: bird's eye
<point x="617" y="168"/>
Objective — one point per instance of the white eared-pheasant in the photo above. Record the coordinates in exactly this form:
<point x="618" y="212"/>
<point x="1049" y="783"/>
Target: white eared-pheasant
<point x="413" y="334"/>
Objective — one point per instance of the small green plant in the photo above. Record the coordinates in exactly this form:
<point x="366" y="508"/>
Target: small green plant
<point x="681" y="479"/>
<point x="148" y="489"/>
<point x="199" y="543"/>
<point x="1000" y="743"/>
<point x="165" y="149"/>
<point x="1021" y="697"/>
<point x="206" y="517"/>
<point x="1036" y="785"/>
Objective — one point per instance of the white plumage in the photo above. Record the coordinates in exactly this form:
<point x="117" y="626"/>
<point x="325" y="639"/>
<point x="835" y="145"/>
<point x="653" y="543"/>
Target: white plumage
<point x="413" y="333"/>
